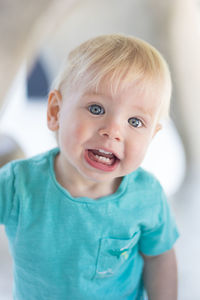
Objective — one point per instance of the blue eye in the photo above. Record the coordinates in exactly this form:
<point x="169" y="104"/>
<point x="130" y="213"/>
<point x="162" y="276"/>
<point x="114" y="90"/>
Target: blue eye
<point x="96" y="109"/>
<point x="135" y="122"/>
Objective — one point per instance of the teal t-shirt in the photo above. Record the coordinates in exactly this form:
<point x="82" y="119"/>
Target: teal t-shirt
<point x="79" y="248"/>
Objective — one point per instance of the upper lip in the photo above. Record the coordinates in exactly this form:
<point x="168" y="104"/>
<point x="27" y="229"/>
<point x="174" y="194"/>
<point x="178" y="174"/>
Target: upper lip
<point x="107" y="150"/>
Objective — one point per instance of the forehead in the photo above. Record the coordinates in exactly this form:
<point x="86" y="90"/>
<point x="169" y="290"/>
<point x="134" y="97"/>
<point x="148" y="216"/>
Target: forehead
<point x="133" y="95"/>
<point x="123" y="87"/>
<point x="140" y="85"/>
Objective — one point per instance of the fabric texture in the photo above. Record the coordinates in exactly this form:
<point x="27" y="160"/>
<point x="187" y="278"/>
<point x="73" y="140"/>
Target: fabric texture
<point x="79" y="248"/>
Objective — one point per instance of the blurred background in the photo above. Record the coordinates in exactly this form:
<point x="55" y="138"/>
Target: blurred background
<point x="35" y="38"/>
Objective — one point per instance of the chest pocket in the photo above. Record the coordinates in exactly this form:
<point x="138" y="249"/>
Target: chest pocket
<point x="113" y="253"/>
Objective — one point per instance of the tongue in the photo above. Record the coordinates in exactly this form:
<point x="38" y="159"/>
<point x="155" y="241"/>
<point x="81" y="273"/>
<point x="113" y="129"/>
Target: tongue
<point x="97" y="152"/>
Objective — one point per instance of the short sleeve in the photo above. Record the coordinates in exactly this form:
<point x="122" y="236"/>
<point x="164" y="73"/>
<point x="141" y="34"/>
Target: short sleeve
<point x="6" y="192"/>
<point x="162" y="235"/>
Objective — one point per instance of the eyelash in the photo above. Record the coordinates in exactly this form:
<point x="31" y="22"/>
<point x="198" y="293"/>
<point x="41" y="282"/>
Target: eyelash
<point x="141" y="124"/>
<point x="100" y="111"/>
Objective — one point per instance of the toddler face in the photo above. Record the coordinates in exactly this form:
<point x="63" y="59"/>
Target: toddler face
<point x="103" y="136"/>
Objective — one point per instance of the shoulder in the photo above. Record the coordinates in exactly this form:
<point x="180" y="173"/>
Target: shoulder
<point x="36" y="161"/>
<point x="145" y="189"/>
<point x="142" y="179"/>
<point x="27" y="168"/>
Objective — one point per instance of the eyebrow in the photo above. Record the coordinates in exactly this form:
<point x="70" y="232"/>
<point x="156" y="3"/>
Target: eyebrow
<point x="92" y="93"/>
<point x="139" y="108"/>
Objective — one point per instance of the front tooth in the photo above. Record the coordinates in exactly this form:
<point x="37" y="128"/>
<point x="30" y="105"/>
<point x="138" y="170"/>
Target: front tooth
<point x="102" y="151"/>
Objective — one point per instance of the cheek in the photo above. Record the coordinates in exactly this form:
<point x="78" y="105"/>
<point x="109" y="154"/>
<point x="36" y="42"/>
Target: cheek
<point x="137" y="149"/>
<point x="80" y="131"/>
<point x="75" y="131"/>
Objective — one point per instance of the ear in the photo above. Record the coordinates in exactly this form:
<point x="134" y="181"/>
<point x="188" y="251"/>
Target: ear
<point x="158" y="127"/>
<point x="53" y="110"/>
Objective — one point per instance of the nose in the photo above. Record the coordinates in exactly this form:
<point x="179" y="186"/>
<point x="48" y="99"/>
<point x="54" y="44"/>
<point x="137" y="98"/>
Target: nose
<point x="111" y="131"/>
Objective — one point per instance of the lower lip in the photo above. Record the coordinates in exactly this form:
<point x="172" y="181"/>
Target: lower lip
<point x="99" y="165"/>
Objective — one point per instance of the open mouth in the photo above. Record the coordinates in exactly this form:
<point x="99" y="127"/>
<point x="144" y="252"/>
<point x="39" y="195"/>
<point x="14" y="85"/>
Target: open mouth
<point x="101" y="159"/>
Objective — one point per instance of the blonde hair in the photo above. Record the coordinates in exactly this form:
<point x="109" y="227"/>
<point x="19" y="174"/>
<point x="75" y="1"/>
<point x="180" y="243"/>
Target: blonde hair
<point x="121" y="59"/>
